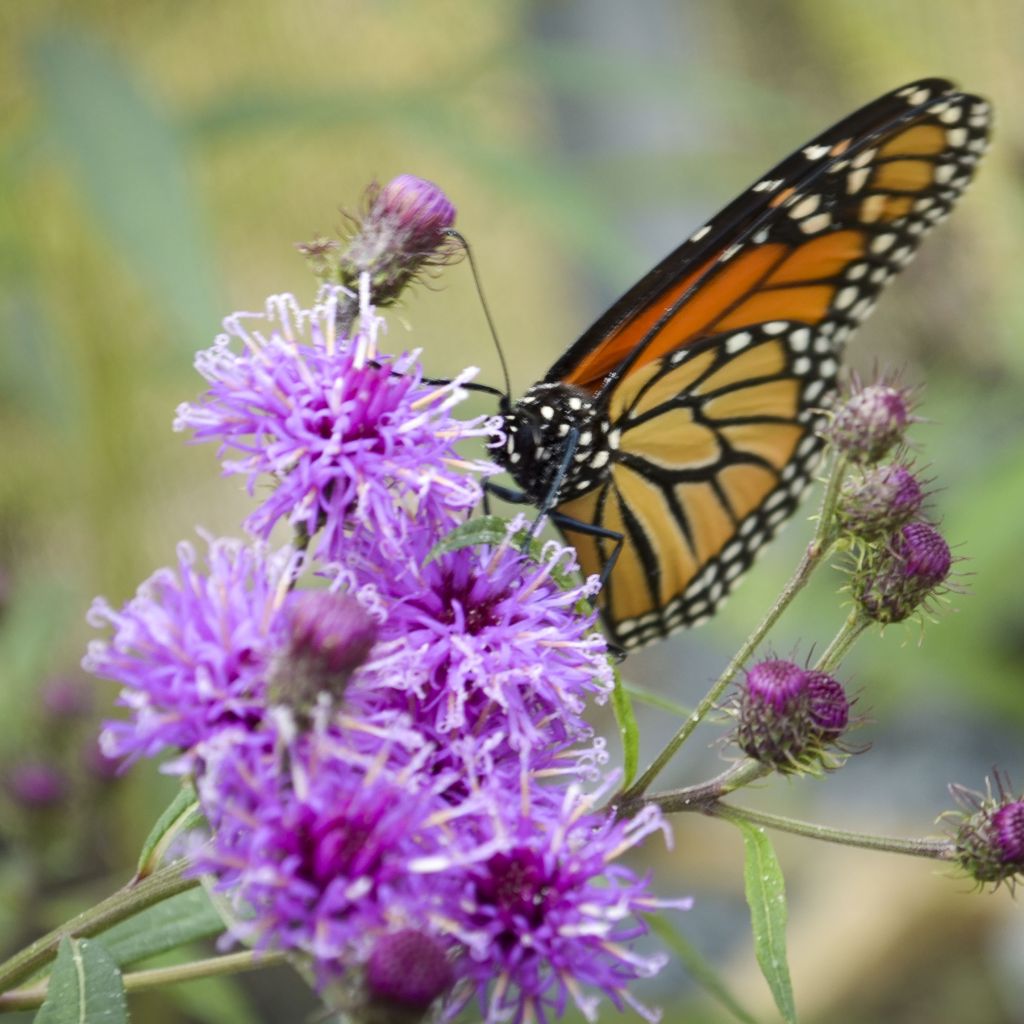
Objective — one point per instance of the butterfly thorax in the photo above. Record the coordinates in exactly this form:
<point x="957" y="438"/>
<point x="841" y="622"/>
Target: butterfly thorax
<point x="539" y="429"/>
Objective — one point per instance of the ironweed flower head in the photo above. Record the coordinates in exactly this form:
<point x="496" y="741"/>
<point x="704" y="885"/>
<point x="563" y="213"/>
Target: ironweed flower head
<point x="313" y="837"/>
<point x="191" y="649"/>
<point x="37" y="784"/>
<point x="351" y="440"/>
<point x="878" y="500"/>
<point x="895" y="579"/>
<point x="491" y="642"/>
<point x="546" y="913"/>
<point x="787" y="716"/>
<point x="989" y="834"/>
<point x="871" y="422"/>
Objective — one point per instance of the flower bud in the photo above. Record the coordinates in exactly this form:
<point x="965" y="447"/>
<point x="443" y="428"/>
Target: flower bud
<point x="327" y="637"/>
<point x="870" y="423"/>
<point x="67" y="698"/>
<point x="878" y="500"/>
<point x="990" y="834"/>
<point x="403" y="230"/>
<point x="405" y="973"/>
<point x="829" y="705"/>
<point x="897" y="578"/>
<point x="37" y="784"/>
<point x="788" y="716"/>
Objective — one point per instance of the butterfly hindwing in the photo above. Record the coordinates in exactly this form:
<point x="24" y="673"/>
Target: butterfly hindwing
<point x="714" y="447"/>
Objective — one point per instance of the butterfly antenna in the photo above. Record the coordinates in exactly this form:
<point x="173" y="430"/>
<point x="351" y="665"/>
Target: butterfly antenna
<point x="461" y="239"/>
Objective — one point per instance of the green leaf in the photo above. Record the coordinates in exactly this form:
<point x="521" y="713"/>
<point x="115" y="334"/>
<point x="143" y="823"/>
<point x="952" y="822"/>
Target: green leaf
<point x="627" y="729"/>
<point x="494" y="530"/>
<point x="85" y="986"/>
<point x="181" y="813"/>
<point x="697" y="967"/>
<point x="766" y="896"/>
<point x="642" y="695"/>
<point x="130" y="163"/>
<point x="183" y="918"/>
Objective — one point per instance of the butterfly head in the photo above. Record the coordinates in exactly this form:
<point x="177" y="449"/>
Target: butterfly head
<point x="540" y="429"/>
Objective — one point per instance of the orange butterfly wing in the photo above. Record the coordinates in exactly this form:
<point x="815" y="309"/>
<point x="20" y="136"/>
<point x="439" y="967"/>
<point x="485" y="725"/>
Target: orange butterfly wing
<point x="715" y="366"/>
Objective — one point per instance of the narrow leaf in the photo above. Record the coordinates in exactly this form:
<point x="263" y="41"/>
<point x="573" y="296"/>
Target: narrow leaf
<point x="130" y="163"/>
<point x="181" y="813"/>
<point x="697" y="967"/>
<point x="180" y="919"/>
<point x="85" y="986"/>
<point x="766" y="896"/>
<point x="626" y="720"/>
<point x="642" y="695"/>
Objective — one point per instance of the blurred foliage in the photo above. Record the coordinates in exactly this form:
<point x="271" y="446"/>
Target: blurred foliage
<point x="159" y="161"/>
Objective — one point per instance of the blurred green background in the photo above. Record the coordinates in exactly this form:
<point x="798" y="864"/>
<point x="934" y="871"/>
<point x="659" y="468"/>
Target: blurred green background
<point x="159" y="161"/>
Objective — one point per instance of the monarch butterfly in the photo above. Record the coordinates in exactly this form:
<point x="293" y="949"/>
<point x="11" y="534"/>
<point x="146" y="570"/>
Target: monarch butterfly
<point x="679" y="432"/>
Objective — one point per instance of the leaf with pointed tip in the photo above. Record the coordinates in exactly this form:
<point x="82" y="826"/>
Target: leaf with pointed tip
<point x="85" y="986"/>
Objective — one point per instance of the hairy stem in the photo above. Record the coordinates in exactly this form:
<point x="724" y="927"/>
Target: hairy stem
<point x="124" y="903"/>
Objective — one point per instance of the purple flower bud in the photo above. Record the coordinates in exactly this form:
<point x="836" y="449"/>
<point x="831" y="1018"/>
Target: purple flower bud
<point x="417" y="208"/>
<point x="67" y="697"/>
<point x="788" y="716"/>
<point x="871" y="422"/>
<point x="879" y="500"/>
<point x="407" y="970"/>
<point x="1008" y="832"/>
<point x="328" y="636"/>
<point x="989" y="837"/>
<point x="774" y="713"/>
<point x="829" y="705"/>
<point x="37" y="784"/>
<point x="896" y="579"/>
<point x="403" y="230"/>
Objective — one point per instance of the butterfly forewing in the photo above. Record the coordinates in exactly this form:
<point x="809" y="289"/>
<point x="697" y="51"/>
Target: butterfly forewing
<point x="814" y="239"/>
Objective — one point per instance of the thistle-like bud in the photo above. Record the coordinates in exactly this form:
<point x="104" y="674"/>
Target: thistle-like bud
<point x="787" y="715"/>
<point x="898" y="577"/>
<point x="404" y="229"/>
<point x="407" y="971"/>
<point x="878" y="500"/>
<point x="989" y="835"/>
<point x="327" y="637"/>
<point x="37" y="785"/>
<point x="870" y="423"/>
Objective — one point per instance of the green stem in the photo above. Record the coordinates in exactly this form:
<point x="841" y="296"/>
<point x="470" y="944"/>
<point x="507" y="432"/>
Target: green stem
<point x="850" y="630"/>
<point x="936" y="849"/>
<point x="157" y="977"/>
<point x="703" y="793"/>
<point x="821" y="543"/>
<point x="124" y="903"/>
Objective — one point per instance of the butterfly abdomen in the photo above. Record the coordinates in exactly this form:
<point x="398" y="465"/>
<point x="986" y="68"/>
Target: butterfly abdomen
<point x="540" y="429"/>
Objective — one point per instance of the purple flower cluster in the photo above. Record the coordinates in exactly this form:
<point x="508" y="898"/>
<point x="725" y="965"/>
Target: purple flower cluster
<point x="385" y="729"/>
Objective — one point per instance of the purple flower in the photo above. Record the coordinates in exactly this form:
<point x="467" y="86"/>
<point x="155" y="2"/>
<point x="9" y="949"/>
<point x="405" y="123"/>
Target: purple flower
<point x="67" y="698"/>
<point x="897" y="579"/>
<point x="486" y="640"/>
<point x="313" y="837"/>
<point x="191" y="649"/>
<point x="545" y="910"/>
<point x="828" y="705"/>
<point x="351" y="440"/>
